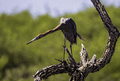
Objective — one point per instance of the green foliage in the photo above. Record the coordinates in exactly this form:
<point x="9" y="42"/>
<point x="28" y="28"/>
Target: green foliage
<point x="18" y="61"/>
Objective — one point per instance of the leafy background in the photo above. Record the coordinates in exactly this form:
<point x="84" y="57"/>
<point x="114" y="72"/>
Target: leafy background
<point x="19" y="62"/>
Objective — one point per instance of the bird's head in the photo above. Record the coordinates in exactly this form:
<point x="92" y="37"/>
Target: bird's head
<point x="64" y="20"/>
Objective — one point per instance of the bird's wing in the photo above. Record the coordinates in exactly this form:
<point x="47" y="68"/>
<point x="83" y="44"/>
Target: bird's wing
<point x="73" y="25"/>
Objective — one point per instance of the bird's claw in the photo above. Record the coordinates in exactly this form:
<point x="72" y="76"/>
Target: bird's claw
<point x="64" y="46"/>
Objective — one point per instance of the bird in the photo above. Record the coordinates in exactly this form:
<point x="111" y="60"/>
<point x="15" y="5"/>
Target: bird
<point x="68" y="28"/>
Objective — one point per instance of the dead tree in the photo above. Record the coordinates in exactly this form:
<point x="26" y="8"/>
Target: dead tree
<point x="79" y="71"/>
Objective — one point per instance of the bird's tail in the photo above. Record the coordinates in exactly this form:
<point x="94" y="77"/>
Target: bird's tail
<point x="44" y="34"/>
<point x="80" y="37"/>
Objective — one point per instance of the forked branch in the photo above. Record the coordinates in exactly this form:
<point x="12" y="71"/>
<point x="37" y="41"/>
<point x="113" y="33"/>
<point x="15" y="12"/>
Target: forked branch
<point x="79" y="71"/>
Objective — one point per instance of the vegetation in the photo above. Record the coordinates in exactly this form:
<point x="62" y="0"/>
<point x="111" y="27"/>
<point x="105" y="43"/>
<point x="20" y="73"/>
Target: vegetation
<point x="18" y="61"/>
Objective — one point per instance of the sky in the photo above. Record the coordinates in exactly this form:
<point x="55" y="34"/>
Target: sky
<point x="53" y="7"/>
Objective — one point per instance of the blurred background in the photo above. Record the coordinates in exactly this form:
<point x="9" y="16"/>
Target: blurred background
<point x="22" y="20"/>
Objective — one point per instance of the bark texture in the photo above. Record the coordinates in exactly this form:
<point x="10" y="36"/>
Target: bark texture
<point x="79" y="71"/>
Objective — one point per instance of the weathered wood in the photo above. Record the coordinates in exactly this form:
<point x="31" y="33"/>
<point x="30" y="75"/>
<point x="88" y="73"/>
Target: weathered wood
<point x="79" y="71"/>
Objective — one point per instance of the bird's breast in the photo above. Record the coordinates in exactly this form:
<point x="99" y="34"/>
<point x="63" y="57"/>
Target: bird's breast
<point x="69" y="36"/>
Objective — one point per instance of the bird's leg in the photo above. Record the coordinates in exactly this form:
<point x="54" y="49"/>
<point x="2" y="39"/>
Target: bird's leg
<point x="71" y="48"/>
<point x="64" y="48"/>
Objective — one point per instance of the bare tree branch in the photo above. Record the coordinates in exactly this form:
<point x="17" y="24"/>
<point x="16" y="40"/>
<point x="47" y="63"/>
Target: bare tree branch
<point x="79" y="71"/>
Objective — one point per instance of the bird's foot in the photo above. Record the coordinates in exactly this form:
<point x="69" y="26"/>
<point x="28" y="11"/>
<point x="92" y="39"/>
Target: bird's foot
<point x="64" y="46"/>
